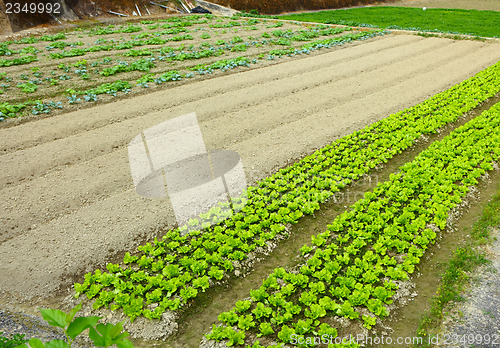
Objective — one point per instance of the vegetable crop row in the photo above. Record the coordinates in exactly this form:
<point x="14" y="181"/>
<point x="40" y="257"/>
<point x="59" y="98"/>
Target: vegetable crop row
<point x="352" y="266"/>
<point x="121" y="46"/>
<point x="302" y="35"/>
<point x="87" y="71"/>
<point x="225" y="64"/>
<point x="172" y="271"/>
<point x="32" y="40"/>
<point x="17" y="61"/>
<point x="325" y="43"/>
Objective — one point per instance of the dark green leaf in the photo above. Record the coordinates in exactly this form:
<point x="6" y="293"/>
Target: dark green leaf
<point x="115" y="330"/>
<point x="72" y="313"/>
<point x="56" y="344"/>
<point x="106" y="334"/>
<point x="96" y="338"/>
<point x="109" y="334"/>
<point x="125" y="343"/>
<point x="36" y="343"/>
<point x="79" y="324"/>
<point x="54" y="317"/>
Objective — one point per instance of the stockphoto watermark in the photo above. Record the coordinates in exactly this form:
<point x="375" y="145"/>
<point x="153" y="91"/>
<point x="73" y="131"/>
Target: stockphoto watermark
<point x="170" y="160"/>
<point x="346" y="189"/>
<point x="359" y="339"/>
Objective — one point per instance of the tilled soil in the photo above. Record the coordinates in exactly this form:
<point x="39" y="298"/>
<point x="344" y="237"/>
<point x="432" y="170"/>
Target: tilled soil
<point x="68" y="201"/>
<point x="94" y="61"/>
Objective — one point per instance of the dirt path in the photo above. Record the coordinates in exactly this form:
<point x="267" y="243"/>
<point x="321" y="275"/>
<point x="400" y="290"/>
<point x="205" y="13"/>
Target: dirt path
<point x="66" y="192"/>
<point x="476" y="321"/>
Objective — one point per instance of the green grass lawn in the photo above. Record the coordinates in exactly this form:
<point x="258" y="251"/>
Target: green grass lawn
<point x="471" y="22"/>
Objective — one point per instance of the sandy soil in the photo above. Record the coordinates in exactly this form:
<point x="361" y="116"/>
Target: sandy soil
<point x="492" y="5"/>
<point x="66" y="194"/>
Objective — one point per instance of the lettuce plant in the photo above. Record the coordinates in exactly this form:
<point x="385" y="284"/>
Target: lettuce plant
<point x="349" y="266"/>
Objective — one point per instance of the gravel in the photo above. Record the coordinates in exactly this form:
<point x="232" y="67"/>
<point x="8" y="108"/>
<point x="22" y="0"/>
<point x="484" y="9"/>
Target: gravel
<point x="11" y="324"/>
<point x="476" y="321"/>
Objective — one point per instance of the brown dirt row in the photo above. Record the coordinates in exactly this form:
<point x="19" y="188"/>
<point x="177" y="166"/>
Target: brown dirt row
<point x="375" y="63"/>
<point x="67" y="194"/>
<point x="61" y="126"/>
<point x="48" y="92"/>
<point x="49" y="67"/>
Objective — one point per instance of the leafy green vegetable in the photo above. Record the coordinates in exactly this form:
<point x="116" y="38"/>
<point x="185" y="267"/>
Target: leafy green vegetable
<point x="102" y="335"/>
<point x="358" y="277"/>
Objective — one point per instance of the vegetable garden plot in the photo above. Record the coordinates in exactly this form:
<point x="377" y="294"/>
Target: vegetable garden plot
<point x="351" y="269"/>
<point x="42" y="75"/>
<point x="454" y="21"/>
<point x="174" y="270"/>
<point x="204" y="310"/>
<point x="88" y="204"/>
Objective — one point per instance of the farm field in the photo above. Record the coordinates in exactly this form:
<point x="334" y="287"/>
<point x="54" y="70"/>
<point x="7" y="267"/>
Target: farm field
<point x="279" y="7"/>
<point x="75" y="69"/>
<point x="455" y="21"/>
<point x="273" y="94"/>
<point x="340" y="276"/>
<point x="489" y="5"/>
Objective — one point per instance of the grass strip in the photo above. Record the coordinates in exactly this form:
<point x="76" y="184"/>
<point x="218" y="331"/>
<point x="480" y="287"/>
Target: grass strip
<point x="464" y="260"/>
<point x="455" y="21"/>
<point x="353" y="268"/>
<point x="172" y="271"/>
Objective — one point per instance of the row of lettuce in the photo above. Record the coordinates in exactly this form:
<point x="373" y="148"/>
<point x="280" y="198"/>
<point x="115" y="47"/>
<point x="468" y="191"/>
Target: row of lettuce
<point x="169" y="54"/>
<point x="83" y="70"/>
<point x="28" y="54"/>
<point x="174" y="25"/>
<point x="54" y="41"/>
<point x="351" y="268"/>
<point x="279" y="37"/>
<point x="169" y="273"/>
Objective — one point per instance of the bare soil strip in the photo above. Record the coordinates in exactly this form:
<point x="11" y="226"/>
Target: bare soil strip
<point x="66" y="192"/>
